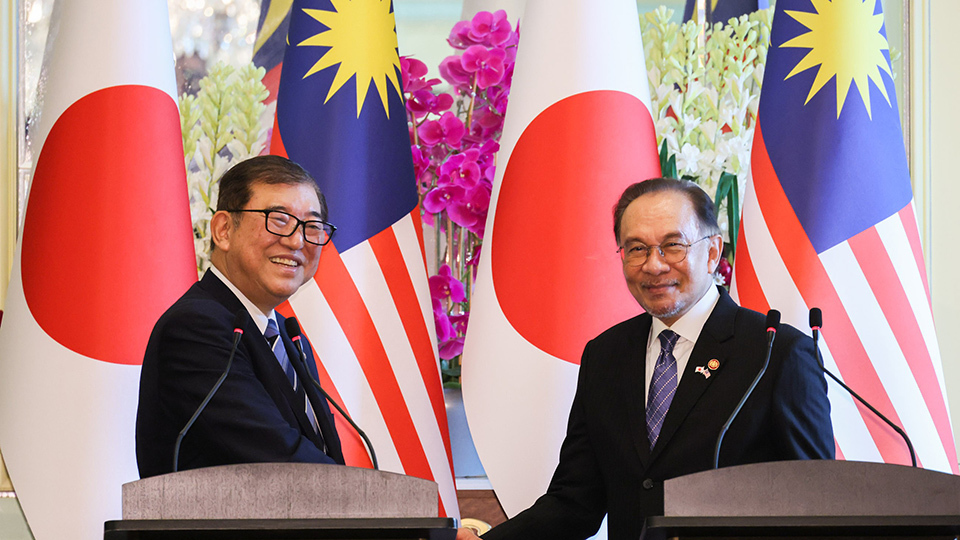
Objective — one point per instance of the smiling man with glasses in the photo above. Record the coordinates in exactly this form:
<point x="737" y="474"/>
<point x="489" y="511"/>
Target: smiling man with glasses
<point x="267" y="235"/>
<point x="654" y="391"/>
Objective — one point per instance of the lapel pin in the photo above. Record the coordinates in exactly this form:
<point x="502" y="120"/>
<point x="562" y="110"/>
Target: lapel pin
<point x="703" y="371"/>
<point x="713" y="364"/>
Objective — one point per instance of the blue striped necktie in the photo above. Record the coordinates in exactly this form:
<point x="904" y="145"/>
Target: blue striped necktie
<point x="663" y="385"/>
<point x="273" y="338"/>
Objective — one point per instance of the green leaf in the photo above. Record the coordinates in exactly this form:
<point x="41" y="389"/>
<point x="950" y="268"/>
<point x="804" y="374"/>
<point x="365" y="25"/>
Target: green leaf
<point x="451" y="372"/>
<point x="668" y="163"/>
<point x="728" y="188"/>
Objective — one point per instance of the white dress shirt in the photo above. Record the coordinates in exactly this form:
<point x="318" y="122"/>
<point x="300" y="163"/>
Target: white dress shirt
<point x="688" y="327"/>
<point x="259" y="318"/>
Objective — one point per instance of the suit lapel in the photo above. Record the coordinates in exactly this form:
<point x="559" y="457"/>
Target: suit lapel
<point x="324" y="419"/>
<point x="711" y="349"/>
<point x="635" y="377"/>
<point x="296" y="398"/>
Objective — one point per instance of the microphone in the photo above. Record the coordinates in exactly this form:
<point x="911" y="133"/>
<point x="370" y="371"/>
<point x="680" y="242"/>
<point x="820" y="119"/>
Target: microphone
<point x="239" y="321"/>
<point x="293" y="329"/>
<point x="772" y="324"/>
<point x="816" y="322"/>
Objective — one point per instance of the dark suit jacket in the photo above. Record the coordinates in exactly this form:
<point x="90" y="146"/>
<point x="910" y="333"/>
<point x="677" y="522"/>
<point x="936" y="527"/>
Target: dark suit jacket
<point x="256" y="416"/>
<point x="606" y="464"/>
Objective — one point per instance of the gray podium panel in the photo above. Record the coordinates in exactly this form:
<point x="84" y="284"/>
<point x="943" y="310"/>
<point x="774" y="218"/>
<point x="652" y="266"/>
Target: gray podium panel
<point x="813" y="488"/>
<point x="809" y="500"/>
<point x="279" y="491"/>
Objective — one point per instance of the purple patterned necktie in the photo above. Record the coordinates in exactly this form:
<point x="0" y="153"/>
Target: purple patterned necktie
<point x="662" y="386"/>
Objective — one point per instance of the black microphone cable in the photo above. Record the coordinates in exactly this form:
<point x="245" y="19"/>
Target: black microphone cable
<point x="772" y="324"/>
<point x="293" y="330"/>
<point x="816" y="322"/>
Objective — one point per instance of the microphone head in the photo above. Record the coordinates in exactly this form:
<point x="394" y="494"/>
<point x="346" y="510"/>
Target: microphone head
<point x="240" y="320"/>
<point x="292" y="326"/>
<point x="816" y="318"/>
<point x="773" y="320"/>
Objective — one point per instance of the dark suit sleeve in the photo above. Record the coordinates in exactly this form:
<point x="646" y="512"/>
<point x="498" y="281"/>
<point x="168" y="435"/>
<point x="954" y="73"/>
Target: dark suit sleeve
<point x="800" y="408"/>
<point x="242" y="423"/>
<point x="575" y="502"/>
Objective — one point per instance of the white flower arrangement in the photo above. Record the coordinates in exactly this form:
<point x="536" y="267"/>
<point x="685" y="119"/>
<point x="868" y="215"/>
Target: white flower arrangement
<point x="221" y="126"/>
<point x="706" y="83"/>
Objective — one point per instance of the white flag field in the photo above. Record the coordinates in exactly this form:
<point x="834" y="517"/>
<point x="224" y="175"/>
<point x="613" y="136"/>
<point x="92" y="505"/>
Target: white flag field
<point x="106" y="246"/>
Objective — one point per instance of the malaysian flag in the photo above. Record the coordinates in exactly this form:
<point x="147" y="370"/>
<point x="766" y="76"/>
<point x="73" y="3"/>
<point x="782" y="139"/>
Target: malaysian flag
<point x="268" y="52"/>
<point x="367" y="312"/>
<point x="828" y="222"/>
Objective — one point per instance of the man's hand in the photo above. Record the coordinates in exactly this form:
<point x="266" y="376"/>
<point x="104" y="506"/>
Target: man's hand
<point x="466" y="534"/>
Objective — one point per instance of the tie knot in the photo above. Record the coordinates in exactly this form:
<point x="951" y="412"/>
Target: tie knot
<point x="668" y="338"/>
<point x="272" y="331"/>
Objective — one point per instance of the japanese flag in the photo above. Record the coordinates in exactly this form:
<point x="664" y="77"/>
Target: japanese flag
<point x="578" y="131"/>
<point x="106" y="246"/>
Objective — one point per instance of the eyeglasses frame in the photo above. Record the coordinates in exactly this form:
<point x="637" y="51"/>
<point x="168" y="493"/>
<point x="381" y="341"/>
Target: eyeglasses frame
<point x="663" y="255"/>
<point x="301" y="224"/>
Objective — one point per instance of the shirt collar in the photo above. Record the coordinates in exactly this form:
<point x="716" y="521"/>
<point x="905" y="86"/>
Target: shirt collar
<point x="690" y="324"/>
<point x="259" y="317"/>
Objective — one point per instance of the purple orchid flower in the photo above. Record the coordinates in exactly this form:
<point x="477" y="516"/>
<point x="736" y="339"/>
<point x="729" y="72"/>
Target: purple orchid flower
<point x="451" y="349"/>
<point x="486" y="124"/>
<point x="413" y="73"/>
<point x="470" y="210"/>
<point x="444" y="285"/>
<point x="448" y="129"/>
<point x="459" y="322"/>
<point x="424" y="101"/>
<point x="441" y="197"/>
<point x="461" y="169"/>
<point x="445" y="329"/>
<point x="452" y="71"/>
<point x="491" y="29"/>
<point x="487" y="64"/>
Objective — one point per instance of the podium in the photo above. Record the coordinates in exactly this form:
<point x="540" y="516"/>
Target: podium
<point x="809" y="499"/>
<point x="293" y="501"/>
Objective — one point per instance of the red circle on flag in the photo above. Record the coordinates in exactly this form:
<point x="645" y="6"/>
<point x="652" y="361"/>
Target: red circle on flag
<point x="107" y="243"/>
<point x="555" y="269"/>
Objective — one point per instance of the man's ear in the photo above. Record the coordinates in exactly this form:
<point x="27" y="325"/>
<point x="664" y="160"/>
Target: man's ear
<point x="221" y="226"/>
<point x="716" y="251"/>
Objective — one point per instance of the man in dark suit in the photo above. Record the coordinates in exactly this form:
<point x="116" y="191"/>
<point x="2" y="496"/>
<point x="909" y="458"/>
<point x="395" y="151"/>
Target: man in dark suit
<point x="267" y="235"/>
<point x="654" y="391"/>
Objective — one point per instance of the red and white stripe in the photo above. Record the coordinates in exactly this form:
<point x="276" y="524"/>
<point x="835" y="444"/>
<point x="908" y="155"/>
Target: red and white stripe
<point x="878" y="333"/>
<point x="369" y="319"/>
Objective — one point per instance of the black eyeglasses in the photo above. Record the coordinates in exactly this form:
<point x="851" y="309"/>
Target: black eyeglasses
<point x="315" y="231"/>
<point x="635" y="253"/>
